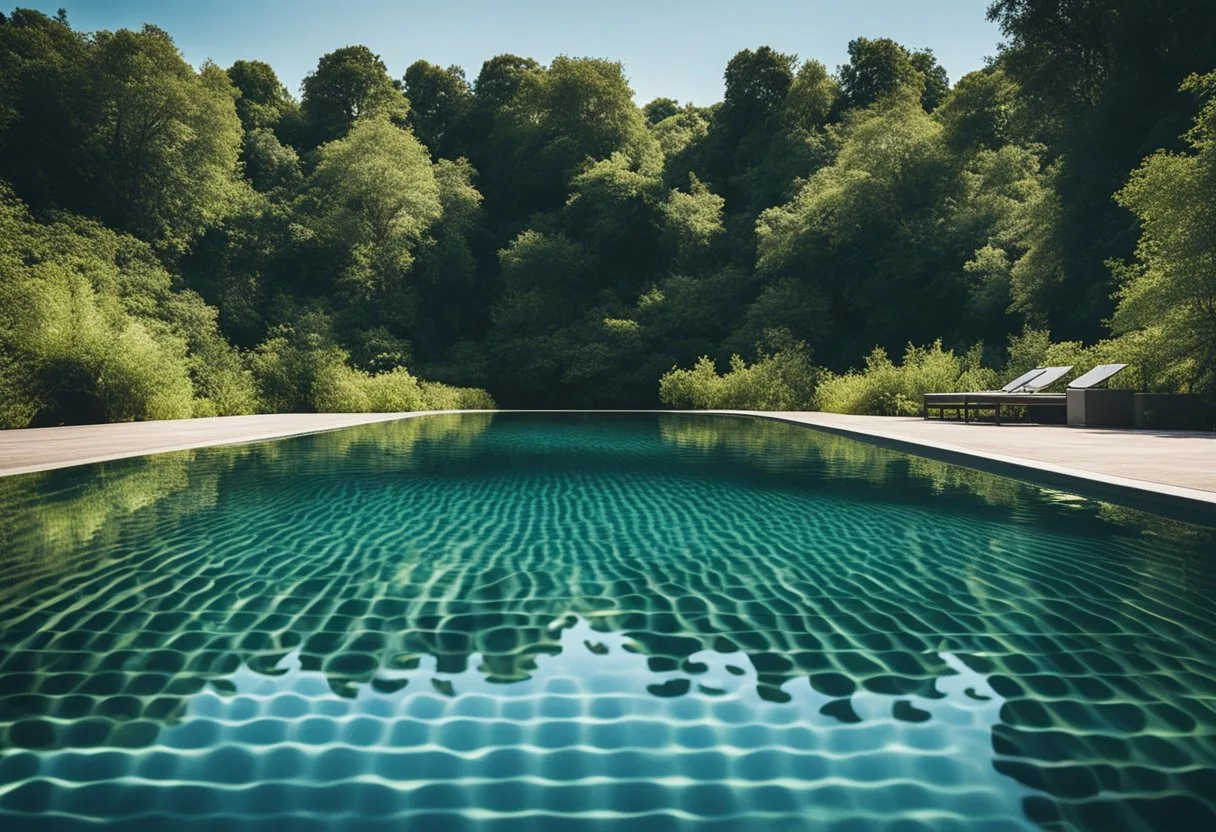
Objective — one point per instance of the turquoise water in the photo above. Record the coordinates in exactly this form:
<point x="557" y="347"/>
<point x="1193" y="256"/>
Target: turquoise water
<point x="595" y="621"/>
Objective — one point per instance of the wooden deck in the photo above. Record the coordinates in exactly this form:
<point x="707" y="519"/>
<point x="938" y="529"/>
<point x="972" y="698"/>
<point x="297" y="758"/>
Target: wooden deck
<point x="41" y="449"/>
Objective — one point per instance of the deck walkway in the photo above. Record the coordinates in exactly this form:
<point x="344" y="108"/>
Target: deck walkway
<point x="1178" y="464"/>
<point x="41" y="449"/>
<point x="1169" y="464"/>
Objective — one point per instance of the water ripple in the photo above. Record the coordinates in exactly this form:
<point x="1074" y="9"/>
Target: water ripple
<point x="583" y="621"/>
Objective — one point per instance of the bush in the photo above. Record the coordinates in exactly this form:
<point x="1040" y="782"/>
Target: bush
<point x="783" y="379"/>
<point x="92" y="329"/>
<point x="300" y="369"/>
<point x="74" y="355"/>
<point x="886" y="389"/>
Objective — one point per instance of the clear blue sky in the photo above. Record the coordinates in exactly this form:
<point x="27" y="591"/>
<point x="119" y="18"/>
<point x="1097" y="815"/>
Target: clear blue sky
<point x="676" y="48"/>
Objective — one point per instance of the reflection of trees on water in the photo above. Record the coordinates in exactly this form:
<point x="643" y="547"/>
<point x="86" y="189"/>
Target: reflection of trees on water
<point x="74" y="512"/>
<point x="1102" y="681"/>
<point x="784" y="447"/>
<point x="121" y="663"/>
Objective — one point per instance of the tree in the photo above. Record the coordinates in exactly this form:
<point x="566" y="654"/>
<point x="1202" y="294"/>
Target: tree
<point x="981" y="111"/>
<point x="937" y="83"/>
<point x="743" y="135"/>
<point x="91" y="329"/>
<point x="677" y="132"/>
<point x="585" y="110"/>
<point x="264" y="102"/>
<point x="692" y="222"/>
<point x="140" y="140"/>
<point x="163" y="151"/>
<point x="454" y="288"/>
<point x="659" y="109"/>
<point x="439" y="103"/>
<point x="1167" y="297"/>
<point x="811" y="97"/>
<point x="375" y="195"/>
<point x="863" y="234"/>
<point x="614" y="212"/>
<point x="1100" y="82"/>
<point x="756" y="82"/>
<point x="348" y="84"/>
<point x="43" y="118"/>
<point x="876" y="68"/>
<point x="269" y="165"/>
<point x="500" y="78"/>
<point x="576" y="111"/>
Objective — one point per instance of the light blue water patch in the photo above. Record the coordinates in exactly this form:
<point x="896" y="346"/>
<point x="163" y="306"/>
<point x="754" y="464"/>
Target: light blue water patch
<point x="595" y="621"/>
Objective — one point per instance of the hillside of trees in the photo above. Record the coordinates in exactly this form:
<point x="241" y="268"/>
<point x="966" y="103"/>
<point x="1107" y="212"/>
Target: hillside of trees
<point x="178" y="241"/>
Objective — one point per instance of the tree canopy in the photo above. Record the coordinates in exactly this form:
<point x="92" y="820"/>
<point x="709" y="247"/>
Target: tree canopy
<point x="180" y="240"/>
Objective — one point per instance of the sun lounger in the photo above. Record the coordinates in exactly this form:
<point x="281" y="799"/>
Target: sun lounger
<point x="1022" y="380"/>
<point x="1024" y="395"/>
<point x="1097" y="375"/>
<point x="1090" y="407"/>
<point x="1085" y="406"/>
<point x="956" y="401"/>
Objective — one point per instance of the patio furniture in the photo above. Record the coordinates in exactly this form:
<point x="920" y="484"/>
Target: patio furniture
<point x="1089" y="406"/>
<point x="1024" y="395"/>
<point x="956" y="401"/>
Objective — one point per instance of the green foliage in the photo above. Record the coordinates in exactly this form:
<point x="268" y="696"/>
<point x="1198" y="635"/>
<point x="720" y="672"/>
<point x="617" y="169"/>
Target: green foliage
<point x="91" y="328"/>
<point x="269" y="165"/>
<point x="439" y="100"/>
<point x="1168" y="293"/>
<point x="676" y="132"/>
<point x="538" y="233"/>
<point x="263" y="102"/>
<point x="937" y="84"/>
<point x="348" y="84"/>
<point x="981" y="111"/>
<point x="300" y="368"/>
<point x="861" y="233"/>
<point x="1101" y="100"/>
<point x="691" y="223"/>
<point x="782" y="379"/>
<point x="660" y="109"/>
<point x="575" y="110"/>
<point x="141" y="141"/>
<point x="757" y="82"/>
<point x="811" y="97"/>
<point x="877" y="69"/>
<point x="884" y="388"/>
<point x="376" y="194"/>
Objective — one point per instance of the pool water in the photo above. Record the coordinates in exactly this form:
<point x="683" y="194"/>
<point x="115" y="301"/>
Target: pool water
<point x="595" y="621"/>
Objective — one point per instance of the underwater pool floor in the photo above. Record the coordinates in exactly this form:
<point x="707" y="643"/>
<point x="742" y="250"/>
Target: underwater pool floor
<point x="595" y="621"/>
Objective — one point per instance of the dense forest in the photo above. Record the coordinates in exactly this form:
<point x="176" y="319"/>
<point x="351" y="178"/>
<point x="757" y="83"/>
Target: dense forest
<point x="178" y="241"/>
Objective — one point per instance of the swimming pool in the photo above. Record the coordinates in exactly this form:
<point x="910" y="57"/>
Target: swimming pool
<point x="594" y="621"/>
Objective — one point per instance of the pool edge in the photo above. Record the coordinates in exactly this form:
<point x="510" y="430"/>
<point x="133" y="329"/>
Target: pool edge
<point x="1178" y="502"/>
<point x="285" y="432"/>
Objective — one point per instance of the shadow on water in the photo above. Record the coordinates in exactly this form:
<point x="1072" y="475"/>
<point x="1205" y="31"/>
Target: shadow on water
<point x="767" y="615"/>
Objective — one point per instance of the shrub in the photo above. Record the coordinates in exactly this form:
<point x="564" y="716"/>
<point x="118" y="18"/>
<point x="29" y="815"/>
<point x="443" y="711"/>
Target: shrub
<point x="300" y="369"/>
<point x="783" y="378"/>
<point x="884" y="388"/>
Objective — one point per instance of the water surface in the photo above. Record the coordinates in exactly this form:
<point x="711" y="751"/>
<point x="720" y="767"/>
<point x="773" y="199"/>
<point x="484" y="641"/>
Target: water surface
<point x="595" y="621"/>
